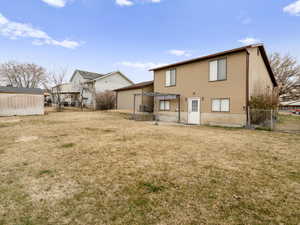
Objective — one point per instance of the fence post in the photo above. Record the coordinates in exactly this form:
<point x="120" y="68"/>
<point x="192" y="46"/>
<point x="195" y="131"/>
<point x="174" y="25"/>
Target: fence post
<point x="272" y="119"/>
<point x="249" y="117"/>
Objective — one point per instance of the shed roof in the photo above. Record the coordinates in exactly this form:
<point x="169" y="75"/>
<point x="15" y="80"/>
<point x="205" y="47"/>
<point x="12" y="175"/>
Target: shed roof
<point x="36" y="91"/>
<point x="136" y="86"/>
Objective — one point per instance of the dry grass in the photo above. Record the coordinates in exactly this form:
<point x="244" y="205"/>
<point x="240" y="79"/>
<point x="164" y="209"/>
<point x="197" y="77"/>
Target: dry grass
<point x="98" y="168"/>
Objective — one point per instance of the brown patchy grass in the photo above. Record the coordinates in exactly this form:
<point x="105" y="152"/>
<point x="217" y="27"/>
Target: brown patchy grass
<point x="117" y="171"/>
<point x="288" y="123"/>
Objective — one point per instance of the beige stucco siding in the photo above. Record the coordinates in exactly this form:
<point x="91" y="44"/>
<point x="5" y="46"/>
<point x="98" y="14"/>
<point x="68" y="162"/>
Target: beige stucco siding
<point x="259" y="78"/>
<point x="146" y="99"/>
<point x="192" y="80"/>
<point x="125" y="98"/>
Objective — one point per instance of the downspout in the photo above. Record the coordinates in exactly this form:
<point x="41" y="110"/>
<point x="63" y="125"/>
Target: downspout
<point x="247" y="84"/>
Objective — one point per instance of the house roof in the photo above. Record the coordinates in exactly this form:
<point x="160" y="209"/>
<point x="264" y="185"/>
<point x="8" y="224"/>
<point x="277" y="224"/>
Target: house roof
<point x="112" y="73"/>
<point x="235" y="50"/>
<point x="87" y="75"/>
<point x="36" y="91"/>
<point x="136" y="86"/>
<point x="291" y="103"/>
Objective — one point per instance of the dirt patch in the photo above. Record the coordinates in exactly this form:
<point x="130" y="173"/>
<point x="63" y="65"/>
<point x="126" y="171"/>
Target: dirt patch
<point x="26" y="139"/>
<point x="49" y="189"/>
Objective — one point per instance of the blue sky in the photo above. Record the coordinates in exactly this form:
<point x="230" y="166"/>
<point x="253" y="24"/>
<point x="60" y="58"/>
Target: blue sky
<point x="134" y="35"/>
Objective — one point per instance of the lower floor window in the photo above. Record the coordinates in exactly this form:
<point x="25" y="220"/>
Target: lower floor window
<point x="220" y="105"/>
<point x="164" y="105"/>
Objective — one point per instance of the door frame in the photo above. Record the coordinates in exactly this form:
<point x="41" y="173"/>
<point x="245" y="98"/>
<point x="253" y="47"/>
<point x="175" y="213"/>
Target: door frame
<point x="199" y="100"/>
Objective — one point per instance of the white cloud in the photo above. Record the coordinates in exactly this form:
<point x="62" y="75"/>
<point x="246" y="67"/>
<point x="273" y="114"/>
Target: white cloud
<point x="142" y="66"/>
<point x="293" y="8"/>
<point x="249" y="41"/>
<point x="56" y="3"/>
<point x="15" y="30"/>
<point x="124" y="2"/>
<point x="133" y="2"/>
<point x="179" y="52"/>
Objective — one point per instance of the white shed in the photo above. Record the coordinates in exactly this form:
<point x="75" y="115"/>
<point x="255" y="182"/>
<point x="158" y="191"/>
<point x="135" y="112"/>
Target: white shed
<point x="21" y="101"/>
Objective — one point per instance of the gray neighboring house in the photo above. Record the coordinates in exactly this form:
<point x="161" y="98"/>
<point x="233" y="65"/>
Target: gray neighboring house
<point x="21" y="101"/>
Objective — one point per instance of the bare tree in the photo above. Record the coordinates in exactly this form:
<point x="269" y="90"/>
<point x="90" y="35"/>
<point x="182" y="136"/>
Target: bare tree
<point x="24" y="75"/>
<point x="57" y="79"/>
<point x="287" y="74"/>
<point x="84" y="89"/>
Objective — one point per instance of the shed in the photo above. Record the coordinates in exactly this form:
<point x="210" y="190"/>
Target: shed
<point x="125" y="97"/>
<point x="21" y="101"/>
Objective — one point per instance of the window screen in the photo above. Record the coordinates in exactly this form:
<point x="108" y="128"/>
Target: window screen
<point x="170" y="78"/>
<point x="218" y="70"/>
<point x="220" y="105"/>
<point x="195" y="106"/>
<point x="164" y="105"/>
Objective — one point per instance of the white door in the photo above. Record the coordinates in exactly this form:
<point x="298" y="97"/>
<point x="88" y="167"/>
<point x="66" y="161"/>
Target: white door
<point x="194" y="111"/>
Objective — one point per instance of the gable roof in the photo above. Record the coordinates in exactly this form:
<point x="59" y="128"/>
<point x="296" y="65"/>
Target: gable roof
<point x="136" y="86"/>
<point x="235" y="50"/>
<point x="36" y="91"/>
<point x="112" y="73"/>
<point x="87" y="75"/>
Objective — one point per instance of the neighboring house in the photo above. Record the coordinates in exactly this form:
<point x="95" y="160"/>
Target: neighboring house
<point x="125" y="97"/>
<point x="65" y="92"/>
<point x="21" y="101"/>
<point x="291" y="105"/>
<point x="213" y="89"/>
<point x="85" y="85"/>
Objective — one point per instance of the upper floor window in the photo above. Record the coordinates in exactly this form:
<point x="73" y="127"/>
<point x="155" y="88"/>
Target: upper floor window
<point x="218" y="70"/>
<point x="170" y="78"/>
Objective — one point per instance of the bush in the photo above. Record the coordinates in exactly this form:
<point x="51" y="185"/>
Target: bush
<point x="105" y="100"/>
<point x="266" y="100"/>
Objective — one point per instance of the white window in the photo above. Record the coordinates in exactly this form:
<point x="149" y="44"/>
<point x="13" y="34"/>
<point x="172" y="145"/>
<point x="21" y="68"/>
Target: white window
<point x="220" y="105"/>
<point x="218" y="70"/>
<point x="164" y="105"/>
<point x="170" y="78"/>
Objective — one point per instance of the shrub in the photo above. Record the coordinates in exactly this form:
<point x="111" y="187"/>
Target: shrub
<point x="105" y="100"/>
<point x="266" y="100"/>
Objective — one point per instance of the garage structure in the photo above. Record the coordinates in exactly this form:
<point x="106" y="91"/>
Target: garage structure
<point x="21" y="101"/>
<point x="125" y="97"/>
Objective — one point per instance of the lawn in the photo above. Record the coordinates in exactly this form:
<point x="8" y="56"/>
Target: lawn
<point x="93" y="168"/>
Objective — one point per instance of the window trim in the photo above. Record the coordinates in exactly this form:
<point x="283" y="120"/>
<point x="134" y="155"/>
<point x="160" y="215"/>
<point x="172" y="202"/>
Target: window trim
<point x="217" y="59"/>
<point x="229" y="105"/>
<point x="170" y="77"/>
<point x="165" y="110"/>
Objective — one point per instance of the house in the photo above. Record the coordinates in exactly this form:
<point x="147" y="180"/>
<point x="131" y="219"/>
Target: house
<point x="84" y="86"/>
<point x="125" y="97"/>
<point x="213" y="89"/>
<point x="21" y="101"/>
<point x="290" y="105"/>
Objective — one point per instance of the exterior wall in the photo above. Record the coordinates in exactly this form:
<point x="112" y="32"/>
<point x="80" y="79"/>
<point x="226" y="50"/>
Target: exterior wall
<point x="192" y="80"/>
<point x="21" y="104"/>
<point x="259" y="78"/>
<point x="111" y="82"/>
<point x="125" y="99"/>
<point x="77" y="81"/>
<point x="147" y="100"/>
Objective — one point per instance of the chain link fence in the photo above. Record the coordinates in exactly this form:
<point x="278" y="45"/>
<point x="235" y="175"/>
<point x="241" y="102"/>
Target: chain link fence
<point x="262" y="119"/>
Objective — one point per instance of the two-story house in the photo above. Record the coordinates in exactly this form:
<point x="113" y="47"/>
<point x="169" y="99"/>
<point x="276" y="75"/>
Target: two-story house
<point x="85" y="85"/>
<point x="213" y="89"/>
